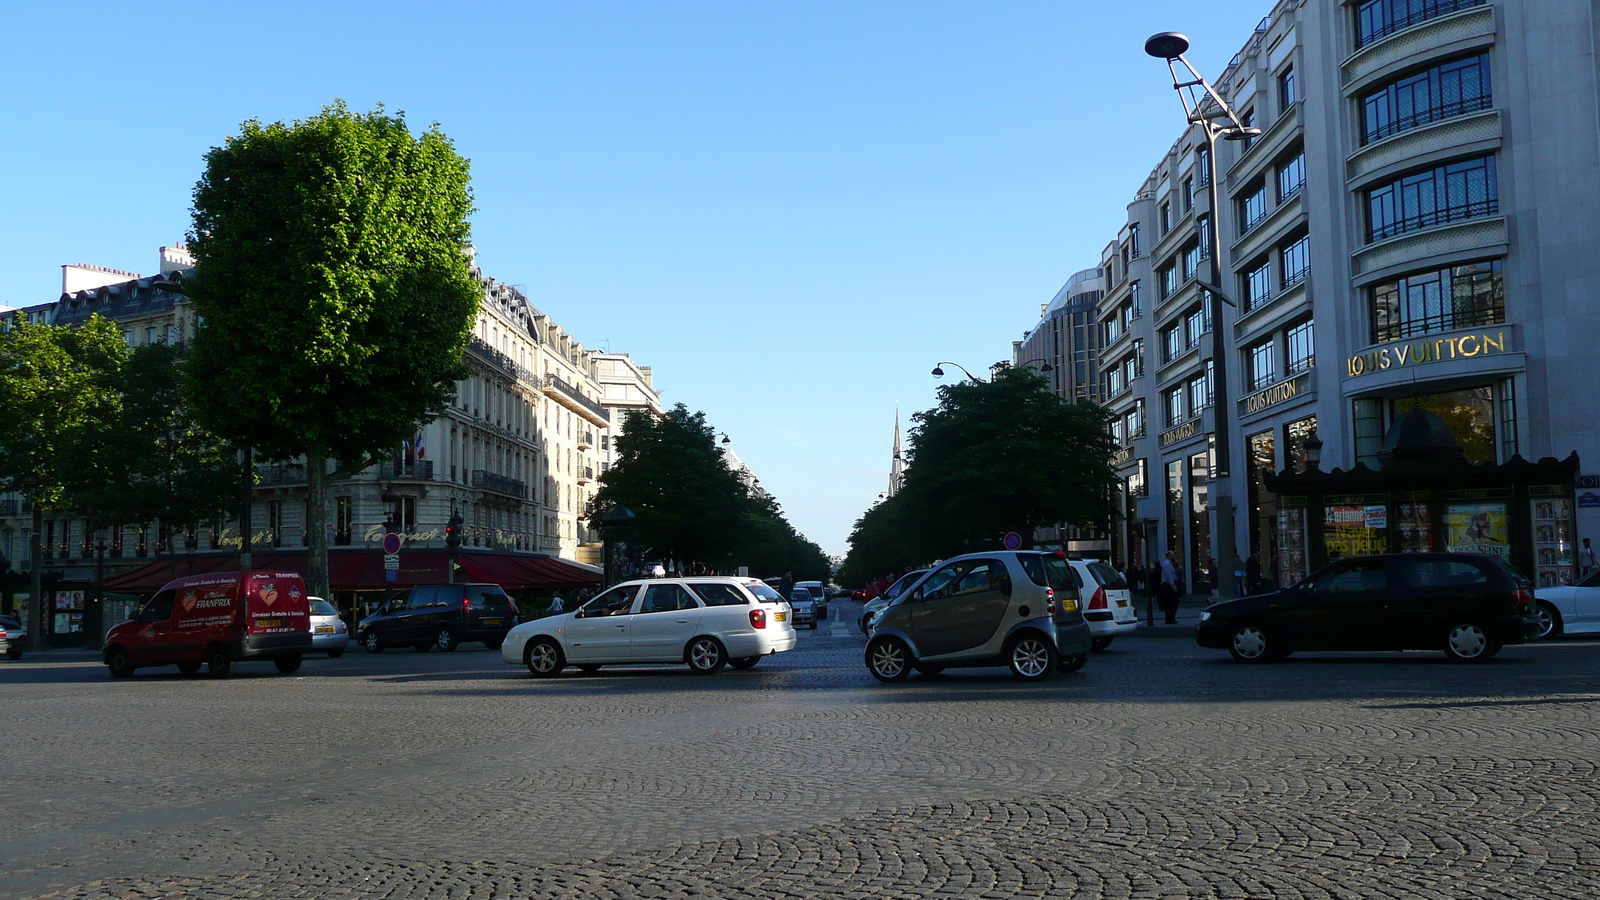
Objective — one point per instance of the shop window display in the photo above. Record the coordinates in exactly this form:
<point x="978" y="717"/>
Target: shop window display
<point x="1291" y="565"/>
<point x="1552" y="540"/>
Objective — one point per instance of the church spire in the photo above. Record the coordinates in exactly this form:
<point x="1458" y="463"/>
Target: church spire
<point x="896" y="464"/>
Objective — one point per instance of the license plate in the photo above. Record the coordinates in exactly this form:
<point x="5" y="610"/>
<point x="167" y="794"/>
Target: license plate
<point x="781" y="616"/>
<point x="324" y="629"/>
<point x="269" y="623"/>
<point x="491" y="621"/>
<point x="1122" y="603"/>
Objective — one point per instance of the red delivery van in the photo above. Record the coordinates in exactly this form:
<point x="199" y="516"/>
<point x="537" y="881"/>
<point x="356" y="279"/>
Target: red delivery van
<point x="216" y="620"/>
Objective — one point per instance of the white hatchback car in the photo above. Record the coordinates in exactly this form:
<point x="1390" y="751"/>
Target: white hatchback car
<point x="1106" y="602"/>
<point x="1569" y="609"/>
<point x="707" y="622"/>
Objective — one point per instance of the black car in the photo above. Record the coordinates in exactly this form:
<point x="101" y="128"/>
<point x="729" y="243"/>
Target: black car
<point x="439" y="615"/>
<point x="1464" y="604"/>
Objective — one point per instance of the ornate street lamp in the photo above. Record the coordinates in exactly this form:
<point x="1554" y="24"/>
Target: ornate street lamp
<point x="938" y="371"/>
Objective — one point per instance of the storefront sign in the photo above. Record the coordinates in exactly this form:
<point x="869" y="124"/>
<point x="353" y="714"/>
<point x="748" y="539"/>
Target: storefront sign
<point x="1272" y="396"/>
<point x="1182" y="433"/>
<point x="1121" y="456"/>
<point x="1414" y="353"/>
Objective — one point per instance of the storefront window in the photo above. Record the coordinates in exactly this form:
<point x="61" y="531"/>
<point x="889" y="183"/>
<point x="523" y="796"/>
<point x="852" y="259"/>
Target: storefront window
<point x="1296" y="434"/>
<point x="1368" y="414"/>
<point x="1468" y="413"/>
<point x="1175" y="508"/>
<point x="1199" y="521"/>
<point x="1263" y="503"/>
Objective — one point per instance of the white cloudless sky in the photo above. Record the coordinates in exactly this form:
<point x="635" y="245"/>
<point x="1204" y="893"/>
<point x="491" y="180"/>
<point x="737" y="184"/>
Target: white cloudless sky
<point x="790" y="210"/>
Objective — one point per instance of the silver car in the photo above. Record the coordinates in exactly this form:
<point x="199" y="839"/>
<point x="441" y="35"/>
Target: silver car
<point x="802" y="608"/>
<point x="12" y="637"/>
<point x="329" y="633"/>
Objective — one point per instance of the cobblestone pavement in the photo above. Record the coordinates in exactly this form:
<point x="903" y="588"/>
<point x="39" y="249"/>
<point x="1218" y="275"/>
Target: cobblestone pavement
<point x="1161" y="770"/>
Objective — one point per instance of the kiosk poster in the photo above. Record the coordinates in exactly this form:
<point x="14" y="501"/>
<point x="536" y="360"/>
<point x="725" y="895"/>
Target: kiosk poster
<point x="1354" y="531"/>
<point x="1477" y="528"/>
<point x="1552" y="541"/>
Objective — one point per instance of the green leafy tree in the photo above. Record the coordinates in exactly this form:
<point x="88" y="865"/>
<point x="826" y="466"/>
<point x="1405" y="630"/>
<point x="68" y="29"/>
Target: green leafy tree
<point x="59" y="390"/>
<point x="333" y="278"/>
<point x="992" y="457"/>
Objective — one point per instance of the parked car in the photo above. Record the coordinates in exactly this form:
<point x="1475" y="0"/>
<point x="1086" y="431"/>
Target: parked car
<point x="442" y="616"/>
<point x="215" y="620"/>
<point x="819" y="596"/>
<point x="13" y="637"/>
<point x="802" y="609"/>
<point x="876" y="606"/>
<point x="1467" y="605"/>
<point x="706" y="622"/>
<point x="1107" y="602"/>
<point x="1008" y="608"/>
<point x="1569" y="609"/>
<point x="329" y="634"/>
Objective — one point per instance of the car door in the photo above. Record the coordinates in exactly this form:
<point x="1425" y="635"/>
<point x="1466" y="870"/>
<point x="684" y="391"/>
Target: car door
<point x="1585" y="605"/>
<point x="963" y="612"/>
<point x="668" y="616"/>
<point x="1334" y="609"/>
<point x="1435" y="593"/>
<point x="408" y="624"/>
<point x="600" y="631"/>
<point x="151" y="644"/>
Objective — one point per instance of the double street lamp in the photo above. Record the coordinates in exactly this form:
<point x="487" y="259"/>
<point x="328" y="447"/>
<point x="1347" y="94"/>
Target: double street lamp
<point x="1206" y="108"/>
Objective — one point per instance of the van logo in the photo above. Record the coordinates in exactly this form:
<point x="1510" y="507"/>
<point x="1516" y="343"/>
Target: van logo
<point x="187" y="599"/>
<point x="269" y="593"/>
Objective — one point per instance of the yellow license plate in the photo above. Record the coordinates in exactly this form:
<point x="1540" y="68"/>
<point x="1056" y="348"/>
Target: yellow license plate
<point x="324" y="629"/>
<point x="269" y="623"/>
<point x="1121" y="603"/>
<point x="781" y="617"/>
<point x="491" y="621"/>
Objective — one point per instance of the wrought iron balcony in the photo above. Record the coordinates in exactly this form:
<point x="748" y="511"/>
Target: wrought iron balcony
<point x="416" y="470"/>
<point x="568" y="395"/>
<point x="499" y="484"/>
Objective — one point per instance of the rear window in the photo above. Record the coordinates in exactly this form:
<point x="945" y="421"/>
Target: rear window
<point x="1049" y="571"/>
<point x="1443" y="573"/>
<point x="816" y="592"/>
<point x="764" y="593"/>
<point x="323" y="608"/>
<point x="488" y="595"/>
<point x="715" y="594"/>
<point x="1107" y="577"/>
<point x="1521" y="580"/>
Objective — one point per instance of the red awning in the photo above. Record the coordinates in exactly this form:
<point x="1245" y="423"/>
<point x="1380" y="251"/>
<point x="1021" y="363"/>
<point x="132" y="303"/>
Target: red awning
<point x="518" y="571"/>
<point x="362" y="570"/>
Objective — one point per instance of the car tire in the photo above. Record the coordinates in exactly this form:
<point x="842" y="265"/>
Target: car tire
<point x="335" y="654"/>
<point x="119" y="663"/>
<point x="1100" y="643"/>
<point x="1252" y="643"/>
<point x="888" y="659"/>
<point x="189" y="668"/>
<point x="372" y="643"/>
<point x="288" y="665"/>
<point x="1072" y="663"/>
<point x="927" y="668"/>
<point x="446" y="640"/>
<point x="1550" y="624"/>
<point x="1467" y="642"/>
<point x="218" y="665"/>
<point x="813" y="624"/>
<point x="422" y="646"/>
<point x="705" y="656"/>
<point x="1032" y="657"/>
<point x="494" y="644"/>
<point x="544" y="658"/>
<point x="589" y="668"/>
<point x="744" y="662"/>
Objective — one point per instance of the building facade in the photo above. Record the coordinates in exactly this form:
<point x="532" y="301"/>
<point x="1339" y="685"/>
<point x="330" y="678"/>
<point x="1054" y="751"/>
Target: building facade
<point x="1068" y="338"/>
<point x="1409" y="230"/>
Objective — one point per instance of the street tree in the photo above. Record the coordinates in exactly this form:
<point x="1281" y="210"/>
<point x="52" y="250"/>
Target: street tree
<point x="58" y="387"/>
<point x="333" y="278"/>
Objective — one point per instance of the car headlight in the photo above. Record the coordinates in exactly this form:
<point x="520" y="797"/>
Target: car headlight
<point x="1205" y="616"/>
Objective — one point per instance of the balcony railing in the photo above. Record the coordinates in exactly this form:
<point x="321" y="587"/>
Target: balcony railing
<point x="1437" y="216"/>
<point x="585" y="475"/>
<point x="1374" y="20"/>
<point x="571" y="392"/>
<point x="282" y="474"/>
<point x="499" y="484"/>
<point x="1427" y="116"/>
<point x="417" y="469"/>
<point x="8" y="506"/>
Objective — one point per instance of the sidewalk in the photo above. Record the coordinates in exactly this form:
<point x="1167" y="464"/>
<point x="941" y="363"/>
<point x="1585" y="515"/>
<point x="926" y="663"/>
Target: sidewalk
<point x="1189" y="609"/>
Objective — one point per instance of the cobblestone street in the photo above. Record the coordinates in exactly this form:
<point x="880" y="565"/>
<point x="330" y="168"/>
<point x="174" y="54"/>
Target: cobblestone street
<point x="1161" y="770"/>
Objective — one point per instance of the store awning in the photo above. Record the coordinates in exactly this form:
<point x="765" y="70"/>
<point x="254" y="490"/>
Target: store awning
<point x="362" y="570"/>
<point x="516" y="571"/>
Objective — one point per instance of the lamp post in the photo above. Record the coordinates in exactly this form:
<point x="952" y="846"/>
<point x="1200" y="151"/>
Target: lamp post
<point x="452" y="539"/>
<point x="94" y="618"/>
<point x="938" y="371"/>
<point x="1203" y="106"/>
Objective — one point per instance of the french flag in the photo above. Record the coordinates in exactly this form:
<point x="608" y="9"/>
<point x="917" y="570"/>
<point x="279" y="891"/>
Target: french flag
<point x="422" y="452"/>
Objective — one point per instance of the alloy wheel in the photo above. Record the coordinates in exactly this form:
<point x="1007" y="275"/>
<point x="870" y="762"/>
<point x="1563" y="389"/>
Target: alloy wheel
<point x="1249" y="644"/>
<point x="1547" y="620"/>
<point x="1467" y="641"/>
<point x="705" y="656"/>
<point x="1031" y="658"/>
<point x="888" y="660"/>
<point x="544" y="659"/>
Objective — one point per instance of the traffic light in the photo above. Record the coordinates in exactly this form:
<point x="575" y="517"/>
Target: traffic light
<point x="452" y="530"/>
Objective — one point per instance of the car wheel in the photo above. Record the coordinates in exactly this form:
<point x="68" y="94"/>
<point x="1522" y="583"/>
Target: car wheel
<point x="422" y="646"/>
<point x="544" y="658"/>
<point x="445" y="640"/>
<point x="14" y="653"/>
<point x="1468" y="642"/>
<point x="288" y="664"/>
<point x="589" y="668"/>
<point x="1072" y="663"/>
<point x="119" y="663"/>
<point x="1032" y="657"/>
<point x="888" y="659"/>
<point x="1100" y="643"/>
<point x="927" y="669"/>
<point x="1251" y="643"/>
<point x="705" y="656"/>
<point x="1549" y="620"/>
<point x="494" y="644"/>
<point x="218" y="665"/>
<point x="744" y="662"/>
<point x="189" y="668"/>
<point x="372" y="643"/>
<point x="813" y="624"/>
<point x="335" y="654"/>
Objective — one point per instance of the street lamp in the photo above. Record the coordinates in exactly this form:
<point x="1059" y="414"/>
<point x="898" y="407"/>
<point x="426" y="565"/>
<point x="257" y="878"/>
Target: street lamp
<point x="938" y="371"/>
<point x="1046" y="367"/>
<point x="1203" y="106"/>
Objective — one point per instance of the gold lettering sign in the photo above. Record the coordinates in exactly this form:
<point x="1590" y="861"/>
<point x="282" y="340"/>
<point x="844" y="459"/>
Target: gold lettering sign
<point x="1418" y="352"/>
<point x="1182" y="433"/>
<point x="1274" y="395"/>
<point x="1121" y="456"/>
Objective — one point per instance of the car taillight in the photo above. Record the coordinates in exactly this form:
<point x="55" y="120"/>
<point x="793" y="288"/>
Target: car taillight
<point x="466" y="605"/>
<point x="342" y="629"/>
<point x="1522" y="598"/>
<point x="1098" y="601"/>
<point x="758" y="618"/>
<point x="1049" y="602"/>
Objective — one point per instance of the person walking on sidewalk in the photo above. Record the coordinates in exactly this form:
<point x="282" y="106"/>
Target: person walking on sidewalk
<point x="1586" y="560"/>
<point x="1167" y="592"/>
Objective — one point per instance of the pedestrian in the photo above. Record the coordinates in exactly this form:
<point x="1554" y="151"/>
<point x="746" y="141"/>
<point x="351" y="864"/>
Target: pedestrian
<point x="786" y="584"/>
<point x="556" y="606"/>
<point x="1586" y="558"/>
<point x="1211" y="576"/>
<point x="1167" y="592"/>
<point x="1252" y="571"/>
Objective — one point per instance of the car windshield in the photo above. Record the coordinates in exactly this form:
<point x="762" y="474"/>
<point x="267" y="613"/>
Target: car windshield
<point x="322" y="607"/>
<point x="1108" y="577"/>
<point x="764" y="592"/>
<point x="816" y="591"/>
<point x="801" y="595"/>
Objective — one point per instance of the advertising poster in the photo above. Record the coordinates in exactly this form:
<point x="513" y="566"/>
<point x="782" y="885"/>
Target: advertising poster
<point x="1291" y="565"/>
<point x="1349" y="531"/>
<point x="1552" y="541"/>
<point x="1477" y="528"/>
<point x="1417" y="532"/>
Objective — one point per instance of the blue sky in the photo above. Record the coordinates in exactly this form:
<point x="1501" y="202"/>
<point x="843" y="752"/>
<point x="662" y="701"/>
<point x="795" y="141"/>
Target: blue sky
<point x="791" y="211"/>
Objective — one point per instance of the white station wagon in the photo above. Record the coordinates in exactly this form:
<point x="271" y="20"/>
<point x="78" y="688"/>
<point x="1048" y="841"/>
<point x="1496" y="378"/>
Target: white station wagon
<point x="706" y="622"/>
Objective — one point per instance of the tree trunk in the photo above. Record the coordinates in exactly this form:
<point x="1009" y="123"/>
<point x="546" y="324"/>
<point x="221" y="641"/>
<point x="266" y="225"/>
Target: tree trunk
<point x="317" y="526"/>
<point x="36" y="579"/>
